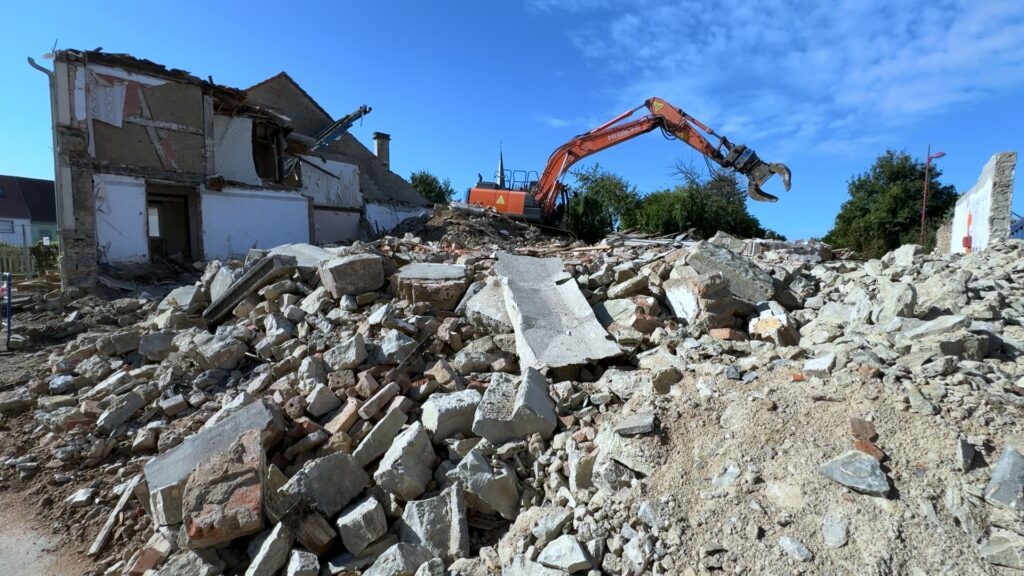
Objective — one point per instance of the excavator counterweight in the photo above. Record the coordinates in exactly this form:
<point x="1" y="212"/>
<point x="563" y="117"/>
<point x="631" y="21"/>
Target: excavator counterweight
<point x="538" y="200"/>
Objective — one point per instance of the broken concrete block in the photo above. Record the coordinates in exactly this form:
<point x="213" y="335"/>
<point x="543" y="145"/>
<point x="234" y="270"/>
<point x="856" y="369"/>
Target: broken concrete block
<point x="635" y="424"/>
<point x="857" y="471"/>
<point x="192" y="563"/>
<point x="380" y="437"/>
<point x="445" y="415"/>
<point x="156" y="550"/>
<point x="1006" y="487"/>
<point x="329" y="483"/>
<point x="222" y="353"/>
<point x="156" y="346"/>
<point x="183" y="297"/>
<point x="895" y="300"/>
<point x="395" y="347"/>
<point x="120" y="410"/>
<point x="321" y="401"/>
<point x="746" y="280"/>
<point x="362" y="523"/>
<point x="438" y="523"/>
<point x="259" y="275"/>
<point x="629" y="287"/>
<point x="307" y="525"/>
<point x="16" y="401"/>
<point x="345" y="563"/>
<point x="402" y="559"/>
<point x="435" y="567"/>
<point x="489" y="490"/>
<point x="440" y="285"/>
<point x="774" y="324"/>
<point x="223" y="498"/>
<point x="81" y="497"/>
<point x="820" y="367"/>
<point x="172" y="467"/>
<point x="553" y="323"/>
<point x="486" y="309"/>
<point x="513" y="408"/>
<point x="353" y="274"/>
<point x="702" y="300"/>
<point x="272" y="554"/>
<point x="565" y="553"/>
<point x="302" y="563"/>
<point x="937" y="327"/>
<point x="408" y="465"/>
<point x="347" y="355"/>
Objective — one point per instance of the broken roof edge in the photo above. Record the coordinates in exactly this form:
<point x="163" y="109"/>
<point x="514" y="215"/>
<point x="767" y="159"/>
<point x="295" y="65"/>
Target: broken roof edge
<point x="127" y="61"/>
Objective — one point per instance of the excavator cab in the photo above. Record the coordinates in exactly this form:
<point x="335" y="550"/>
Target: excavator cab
<point x="508" y="194"/>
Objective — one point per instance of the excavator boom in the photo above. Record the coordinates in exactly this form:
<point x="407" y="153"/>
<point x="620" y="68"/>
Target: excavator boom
<point x="541" y="199"/>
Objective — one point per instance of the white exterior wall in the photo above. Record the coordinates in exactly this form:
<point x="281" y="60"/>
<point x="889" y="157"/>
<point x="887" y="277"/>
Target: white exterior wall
<point x="383" y="217"/>
<point x="971" y="217"/>
<point x="121" y="234"/>
<point x="331" y="183"/>
<point x="11" y="231"/>
<point x="236" y="219"/>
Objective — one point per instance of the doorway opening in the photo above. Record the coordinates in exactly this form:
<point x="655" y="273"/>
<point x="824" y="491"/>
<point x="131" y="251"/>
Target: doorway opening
<point x="172" y="222"/>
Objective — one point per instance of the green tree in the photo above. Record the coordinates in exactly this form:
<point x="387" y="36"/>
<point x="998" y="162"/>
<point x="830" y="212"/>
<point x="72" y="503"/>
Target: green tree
<point x="587" y="218"/>
<point x="703" y="203"/>
<point x="431" y="187"/>
<point x="884" y="208"/>
<point x="599" y="203"/>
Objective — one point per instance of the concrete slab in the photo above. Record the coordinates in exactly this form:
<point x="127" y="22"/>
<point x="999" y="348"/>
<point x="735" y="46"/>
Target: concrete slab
<point x="174" y="466"/>
<point x="262" y="273"/>
<point x="553" y="323"/>
<point x="442" y="285"/>
<point x="307" y="257"/>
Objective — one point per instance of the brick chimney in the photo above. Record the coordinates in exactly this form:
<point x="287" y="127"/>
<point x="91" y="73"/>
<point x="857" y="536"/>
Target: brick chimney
<point x="382" y="148"/>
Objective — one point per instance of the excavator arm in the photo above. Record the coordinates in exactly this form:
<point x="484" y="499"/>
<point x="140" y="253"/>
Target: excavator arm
<point x="674" y="122"/>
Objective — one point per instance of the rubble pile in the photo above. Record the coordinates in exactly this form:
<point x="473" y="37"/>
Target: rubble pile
<point x="459" y="225"/>
<point x="654" y="407"/>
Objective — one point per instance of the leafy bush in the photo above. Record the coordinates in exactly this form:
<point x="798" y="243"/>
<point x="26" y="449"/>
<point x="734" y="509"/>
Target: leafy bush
<point x="430" y="187"/>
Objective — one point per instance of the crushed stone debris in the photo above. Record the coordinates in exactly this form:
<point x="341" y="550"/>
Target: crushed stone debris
<point x="387" y="407"/>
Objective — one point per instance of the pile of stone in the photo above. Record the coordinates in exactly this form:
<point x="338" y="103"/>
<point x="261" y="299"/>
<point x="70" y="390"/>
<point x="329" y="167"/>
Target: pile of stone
<point x="396" y="408"/>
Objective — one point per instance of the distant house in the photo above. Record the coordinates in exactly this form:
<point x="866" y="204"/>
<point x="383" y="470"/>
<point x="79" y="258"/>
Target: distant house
<point x="154" y="162"/>
<point x="42" y="207"/>
<point x="27" y="210"/>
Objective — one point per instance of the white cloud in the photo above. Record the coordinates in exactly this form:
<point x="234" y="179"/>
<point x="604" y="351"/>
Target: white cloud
<point x="553" y="121"/>
<point x="833" y="75"/>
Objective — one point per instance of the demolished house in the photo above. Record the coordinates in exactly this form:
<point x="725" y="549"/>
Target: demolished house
<point x="154" y="162"/>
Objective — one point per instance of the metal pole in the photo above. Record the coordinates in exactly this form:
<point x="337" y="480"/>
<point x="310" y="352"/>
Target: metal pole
<point x="924" y="196"/>
<point x="9" y="313"/>
<point x="26" y="254"/>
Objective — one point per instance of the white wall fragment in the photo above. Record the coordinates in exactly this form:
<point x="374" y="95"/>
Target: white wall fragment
<point x="232" y="150"/>
<point x="121" y="235"/>
<point x="237" y="219"/>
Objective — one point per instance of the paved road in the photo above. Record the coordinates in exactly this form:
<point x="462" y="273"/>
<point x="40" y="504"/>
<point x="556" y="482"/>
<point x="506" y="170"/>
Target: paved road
<point x="26" y="549"/>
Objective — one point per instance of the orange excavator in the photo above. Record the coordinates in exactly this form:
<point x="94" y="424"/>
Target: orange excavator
<point x="536" y="198"/>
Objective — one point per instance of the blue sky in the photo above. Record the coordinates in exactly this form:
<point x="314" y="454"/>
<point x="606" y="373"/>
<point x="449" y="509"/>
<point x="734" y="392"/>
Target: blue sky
<point x="822" y="86"/>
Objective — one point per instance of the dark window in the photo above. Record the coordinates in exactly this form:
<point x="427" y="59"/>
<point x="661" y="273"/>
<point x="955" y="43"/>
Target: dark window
<point x="2" y="193"/>
<point x="6" y="226"/>
<point x="267" y="145"/>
